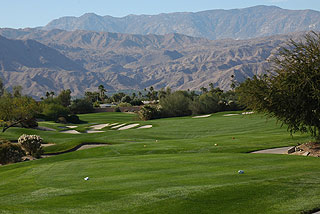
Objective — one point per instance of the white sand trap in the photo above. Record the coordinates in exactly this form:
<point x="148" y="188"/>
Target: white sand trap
<point x="129" y="126"/>
<point x="100" y="126"/>
<point x="47" y="144"/>
<point x="93" y="131"/>
<point x="228" y="115"/>
<point x="113" y="124"/>
<point x="145" y="127"/>
<point x="71" y="132"/>
<point x="91" y="146"/>
<point x="281" y="150"/>
<point x="202" y="116"/>
<point x="118" y="126"/>
<point x="250" y="112"/>
<point x="71" y="127"/>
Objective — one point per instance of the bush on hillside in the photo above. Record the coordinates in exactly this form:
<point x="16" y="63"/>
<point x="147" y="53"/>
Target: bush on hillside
<point x="10" y="153"/>
<point x="31" y="144"/>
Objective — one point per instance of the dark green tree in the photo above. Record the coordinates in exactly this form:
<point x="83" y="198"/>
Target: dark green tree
<point x="64" y="97"/>
<point x="17" y="110"/>
<point x="291" y="92"/>
<point x="176" y="104"/>
<point x="81" y="106"/>
<point x="117" y="97"/>
<point x="126" y="99"/>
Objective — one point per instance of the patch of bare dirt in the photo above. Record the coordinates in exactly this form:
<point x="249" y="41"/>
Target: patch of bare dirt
<point x="307" y="149"/>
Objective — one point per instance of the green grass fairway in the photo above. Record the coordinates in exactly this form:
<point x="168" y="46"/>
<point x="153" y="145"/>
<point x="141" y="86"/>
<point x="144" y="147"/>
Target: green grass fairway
<point x="174" y="167"/>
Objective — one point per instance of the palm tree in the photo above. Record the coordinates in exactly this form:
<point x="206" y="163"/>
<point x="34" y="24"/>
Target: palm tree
<point x="47" y="94"/>
<point x="51" y="93"/>
<point x="204" y="90"/>
<point x="134" y="96"/>
<point x="101" y="92"/>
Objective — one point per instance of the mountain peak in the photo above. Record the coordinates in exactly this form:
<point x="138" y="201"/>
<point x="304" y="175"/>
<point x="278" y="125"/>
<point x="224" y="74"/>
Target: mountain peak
<point x="89" y="15"/>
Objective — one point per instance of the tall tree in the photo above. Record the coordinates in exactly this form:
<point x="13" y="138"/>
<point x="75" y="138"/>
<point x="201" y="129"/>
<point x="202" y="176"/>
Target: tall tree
<point x="64" y="97"/>
<point x="17" y="110"/>
<point x="291" y="93"/>
<point x="102" y="91"/>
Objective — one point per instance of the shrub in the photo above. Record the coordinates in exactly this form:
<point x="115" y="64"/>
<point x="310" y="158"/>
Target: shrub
<point x="81" y="106"/>
<point x="96" y="104"/>
<point x="233" y="106"/>
<point x="61" y="120"/>
<point x="207" y="103"/>
<point x="30" y="123"/>
<point x="10" y="153"/>
<point x="176" y="104"/>
<point x="73" y="119"/>
<point x="31" y="144"/>
<point x="149" y="112"/>
<point x="124" y="105"/>
<point x="54" y="111"/>
<point x="117" y="109"/>
<point x="136" y="102"/>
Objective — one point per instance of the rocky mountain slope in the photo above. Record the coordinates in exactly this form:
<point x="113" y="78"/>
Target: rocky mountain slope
<point x="244" y="23"/>
<point x="124" y="61"/>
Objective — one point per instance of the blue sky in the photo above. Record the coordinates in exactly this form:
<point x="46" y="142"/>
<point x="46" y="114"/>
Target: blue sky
<point x="32" y="13"/>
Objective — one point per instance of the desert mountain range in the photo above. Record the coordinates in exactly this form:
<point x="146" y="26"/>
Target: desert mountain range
<point x="45" y="59"/>
<point x="246" y="23"/>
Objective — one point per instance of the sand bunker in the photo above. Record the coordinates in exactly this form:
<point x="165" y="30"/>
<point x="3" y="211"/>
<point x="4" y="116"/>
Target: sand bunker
<point x="71" y="127"/>
<point x="281" y="150"/>
<point x="228" y="115"/>
<point x="71" y="132"/>
<point x="202" y="116"/>
<point x="91" y="146"/>
<point x="42" y="128"/>
<point x="129" y="126"/>
<point x="93" y="131"/>
<point x="100" y="126"/>
<point x="47" y="144"/>
<point x="250" y="112"/>
<point x="145" y="127"/>
<point x="118" y="126"/>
